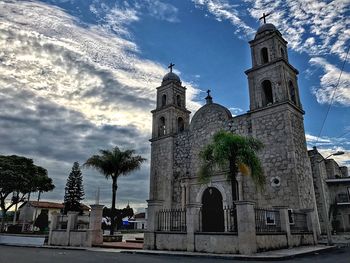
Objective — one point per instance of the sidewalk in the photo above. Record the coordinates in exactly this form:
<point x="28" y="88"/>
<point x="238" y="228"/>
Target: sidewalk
<point x="265" y="256"/>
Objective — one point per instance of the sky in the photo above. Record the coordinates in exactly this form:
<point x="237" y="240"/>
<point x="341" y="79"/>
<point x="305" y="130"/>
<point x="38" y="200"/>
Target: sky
<point x="77" y="76"/>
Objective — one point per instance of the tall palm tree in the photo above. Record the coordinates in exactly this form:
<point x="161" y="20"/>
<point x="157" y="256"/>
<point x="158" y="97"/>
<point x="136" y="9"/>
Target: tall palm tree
<point x="238" y="153"/>
<point x="112" y="164"/>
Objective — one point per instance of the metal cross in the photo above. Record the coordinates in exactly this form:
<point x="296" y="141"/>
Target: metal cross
<point x="171" y="66"/>
<point x="264" y="17"/>
<point x="208" y="91"/>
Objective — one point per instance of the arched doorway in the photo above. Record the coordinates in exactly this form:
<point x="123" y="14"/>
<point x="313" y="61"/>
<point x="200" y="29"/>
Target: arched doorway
<point x="212" y="211"/>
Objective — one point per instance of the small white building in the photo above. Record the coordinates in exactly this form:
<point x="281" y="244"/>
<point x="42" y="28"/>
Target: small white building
<point x="30" y="211"/>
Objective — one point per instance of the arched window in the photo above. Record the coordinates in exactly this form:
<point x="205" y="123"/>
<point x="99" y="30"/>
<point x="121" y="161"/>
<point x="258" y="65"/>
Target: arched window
<point x="163" y="100"/>
<point x="264" y="55"/>
<point x="180" y="124"/>
<point x="292" y="92"/>
<point x="267" y="93"/>
<point x="161" y="126"/>
<point x="178" y="100"/>
<point x="282" y="53"/>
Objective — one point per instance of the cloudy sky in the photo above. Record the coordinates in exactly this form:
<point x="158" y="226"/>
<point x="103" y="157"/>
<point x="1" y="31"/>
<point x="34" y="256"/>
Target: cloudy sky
<point x="78" y="76"/>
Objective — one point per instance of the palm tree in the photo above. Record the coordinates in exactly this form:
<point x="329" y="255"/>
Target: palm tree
<point x="238" y="153"/>
<point x="113" y="164"/>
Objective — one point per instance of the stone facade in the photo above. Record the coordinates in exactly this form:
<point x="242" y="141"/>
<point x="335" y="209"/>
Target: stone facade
<point x="332" y="189"/>
<point x="275" y="118"/>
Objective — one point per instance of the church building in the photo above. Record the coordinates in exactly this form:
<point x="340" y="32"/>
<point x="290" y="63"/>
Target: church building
<point x="185" y="214"/>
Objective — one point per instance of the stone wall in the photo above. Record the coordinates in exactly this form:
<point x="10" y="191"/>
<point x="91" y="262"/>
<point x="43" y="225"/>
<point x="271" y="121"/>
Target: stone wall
<point x="216" y="243"/>
<point x="271" y="242"/>
<point x="171" y="241"/>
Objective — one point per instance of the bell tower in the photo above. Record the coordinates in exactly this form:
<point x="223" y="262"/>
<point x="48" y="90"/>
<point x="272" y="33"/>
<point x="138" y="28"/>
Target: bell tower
<point x="272" y="79"/>
<point x="170" y="118"/>
<point x="276" y="119"/>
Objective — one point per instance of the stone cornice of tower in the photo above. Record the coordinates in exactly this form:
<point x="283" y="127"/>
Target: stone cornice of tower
<point x="171" y="105"/>
<point x="271" y="63"/>
<point x="170" y="135"/>
<point x="169" y="83"/>
<point x="287" y="102"/>
<point x="267" y="36"/>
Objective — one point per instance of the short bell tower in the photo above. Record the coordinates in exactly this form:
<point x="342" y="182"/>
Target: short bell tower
<point x="170" y="118"/>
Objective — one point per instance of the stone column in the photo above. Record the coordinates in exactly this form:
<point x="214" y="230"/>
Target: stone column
<point x="95" y="224"/>
<point x="311" y="223"/>
<point x="192" y="224"/>
<point x="246" y="227"/>
<point x="240" y="186"/>
<point x="72" y="220"/>
<point x="285" y="225"/>
<point x="183" y="196"/>
<point x="53" y="225"/>
<point x="152" y="223"/>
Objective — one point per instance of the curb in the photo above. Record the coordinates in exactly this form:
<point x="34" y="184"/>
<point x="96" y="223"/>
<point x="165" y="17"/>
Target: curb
<point x="228" y="256"/>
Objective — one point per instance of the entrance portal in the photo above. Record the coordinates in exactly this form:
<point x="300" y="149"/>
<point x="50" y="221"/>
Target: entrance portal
<point x="212" y="211"/>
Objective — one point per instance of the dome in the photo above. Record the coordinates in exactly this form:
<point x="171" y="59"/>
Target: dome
<point x="171" y="77"/>
<point x="266" y="27"/>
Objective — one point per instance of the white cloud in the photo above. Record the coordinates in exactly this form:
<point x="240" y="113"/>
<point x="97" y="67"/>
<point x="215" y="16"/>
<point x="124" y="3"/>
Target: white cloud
<point x="329" y="81"/>
<point x="318" y="28"/>
<point x="86" y="68"/>
<point x="329" y="145"/>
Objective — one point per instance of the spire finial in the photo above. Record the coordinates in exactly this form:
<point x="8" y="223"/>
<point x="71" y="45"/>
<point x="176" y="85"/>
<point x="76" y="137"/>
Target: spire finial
<point x="171" y="66"/>
<point x="208" y="98"/>
<point x="264" y="17"/>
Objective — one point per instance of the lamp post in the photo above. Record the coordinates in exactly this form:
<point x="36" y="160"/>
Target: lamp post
<point x="324" y="205"/>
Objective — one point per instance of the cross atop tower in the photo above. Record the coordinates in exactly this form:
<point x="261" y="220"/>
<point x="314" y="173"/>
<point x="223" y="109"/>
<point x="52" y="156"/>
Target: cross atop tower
<point x="264" y="17"/>
<point x="171" y="66"/>
<point x="208" y="98"/>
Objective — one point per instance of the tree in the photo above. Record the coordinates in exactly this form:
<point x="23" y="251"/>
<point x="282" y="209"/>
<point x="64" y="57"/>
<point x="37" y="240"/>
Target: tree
<point x="42" y="222"/>
<point x="74" y="191"/>
<point x="235" y="152"/>
<point x="112" y="164"/>
<point x="20" y="176"/>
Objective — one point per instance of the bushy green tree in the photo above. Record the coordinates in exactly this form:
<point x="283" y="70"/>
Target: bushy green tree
<point x="19" y="175"/>
<point x="74" y="190"/>
<point x="234" y="153"/>
<point x="113" y="164"/>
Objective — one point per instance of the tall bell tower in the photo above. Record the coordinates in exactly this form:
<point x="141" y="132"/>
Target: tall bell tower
<point x="170" y="118"/>
<point x="276" y="118"/>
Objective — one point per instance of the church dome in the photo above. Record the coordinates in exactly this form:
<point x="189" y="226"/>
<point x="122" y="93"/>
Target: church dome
<point x="171" y="76"/>
<point x="268" y="27"/>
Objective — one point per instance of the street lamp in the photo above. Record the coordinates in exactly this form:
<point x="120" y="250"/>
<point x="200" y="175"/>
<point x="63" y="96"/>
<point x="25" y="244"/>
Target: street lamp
<point x="324" y="206"/>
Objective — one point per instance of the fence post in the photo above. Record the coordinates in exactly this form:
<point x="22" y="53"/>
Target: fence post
<point x="53" y="225"/>
<point x="192" y="224"/>
<point x="95" y="222"/>
<point x="152" y="221"/>
<point x="246" y="227"/>
<point x="311" y="223"/>
<point x="285" y="225"/>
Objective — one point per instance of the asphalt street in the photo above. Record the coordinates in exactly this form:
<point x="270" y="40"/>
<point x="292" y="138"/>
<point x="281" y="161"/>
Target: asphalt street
<point x="9" y="254"/>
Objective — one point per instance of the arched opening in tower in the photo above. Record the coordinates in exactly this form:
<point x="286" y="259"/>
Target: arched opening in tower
<point x="292" y="92"/>
<point x="161" y="127"/>
<point x="267" y="91"/>
<point x="180" y="124"/>
<point x="264" y="55"/>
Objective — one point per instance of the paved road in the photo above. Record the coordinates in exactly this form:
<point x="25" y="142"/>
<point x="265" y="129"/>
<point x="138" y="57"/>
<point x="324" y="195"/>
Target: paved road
<point x="10" y="254"/>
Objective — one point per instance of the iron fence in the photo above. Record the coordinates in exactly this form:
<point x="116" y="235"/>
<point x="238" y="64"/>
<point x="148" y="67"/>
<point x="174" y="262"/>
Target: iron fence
<point x="172" y="220"/>
<point x="267" y="220"/>
<point x="298" y="222"/>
